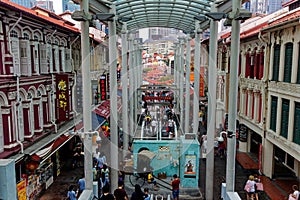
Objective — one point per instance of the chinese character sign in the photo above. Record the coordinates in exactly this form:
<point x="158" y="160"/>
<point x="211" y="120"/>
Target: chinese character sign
<point x="62" y="97"/>
<point x="102" y="83"/>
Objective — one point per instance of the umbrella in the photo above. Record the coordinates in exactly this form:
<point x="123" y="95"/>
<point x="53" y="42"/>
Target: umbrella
<point x="147" y="153"/>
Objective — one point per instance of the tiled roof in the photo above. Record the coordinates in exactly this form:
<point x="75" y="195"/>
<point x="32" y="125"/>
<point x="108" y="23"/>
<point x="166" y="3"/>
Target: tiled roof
<point x="33" y="13"/>
<point x="288" y="17"/>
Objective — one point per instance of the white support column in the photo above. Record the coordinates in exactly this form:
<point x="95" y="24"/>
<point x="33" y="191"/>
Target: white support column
<point x="181" y="81"/>
<point x="212" y="104"/>
<point x="87" y="94"/>
<point x="113" y="101"/>
<point x="187" y="85"/>
<point x="131" y="71"/>
<point x="232" y="106"/>
<point x="197" y="56"/>
<point x="124" y="81"/>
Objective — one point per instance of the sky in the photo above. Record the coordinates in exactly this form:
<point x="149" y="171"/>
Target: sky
<point x="57" y="5"/>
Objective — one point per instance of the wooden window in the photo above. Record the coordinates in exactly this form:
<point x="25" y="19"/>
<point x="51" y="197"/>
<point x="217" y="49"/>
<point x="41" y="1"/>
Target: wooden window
<point x="285" y="118"/>
<point x="273" y="116"/>
<point x="288" y="59"/>
<point x="296" y="136"/>
<point x="276" y="59"/>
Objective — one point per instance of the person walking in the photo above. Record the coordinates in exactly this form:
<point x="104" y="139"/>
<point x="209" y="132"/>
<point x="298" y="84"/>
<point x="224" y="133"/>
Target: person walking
<point x="71" y="193"/>
<point x="120" y="193"/>
<point x="138" y="193"/>
<point x="295" y="194"/>
<point x="175" y="187"/>
<point x="146" y="194"/>
<point x="81" y="186"/>
<point x="106" y="195"/>
<point x="250" y="187"/>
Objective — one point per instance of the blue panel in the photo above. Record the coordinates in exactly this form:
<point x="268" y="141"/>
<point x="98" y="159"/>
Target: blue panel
<point x="97" y="121"/>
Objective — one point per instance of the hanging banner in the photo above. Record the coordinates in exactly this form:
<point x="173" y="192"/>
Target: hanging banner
<point x="102" y="83"/>
<point x="21" y="189"/>
<point x="62" y="97"/>
<point x="202" y="85"/>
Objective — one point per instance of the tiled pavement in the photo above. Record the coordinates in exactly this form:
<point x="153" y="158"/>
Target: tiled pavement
<point x="275" y="189"/>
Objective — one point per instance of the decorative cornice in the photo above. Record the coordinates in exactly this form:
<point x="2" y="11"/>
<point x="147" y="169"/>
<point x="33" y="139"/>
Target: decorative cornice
<point x="285" y="88"/>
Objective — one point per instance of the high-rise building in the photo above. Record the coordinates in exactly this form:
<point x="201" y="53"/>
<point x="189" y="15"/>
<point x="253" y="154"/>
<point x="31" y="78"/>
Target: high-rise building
<point x="46" y="4"/>
<point x="25" y="3"/>
<point x="265" y="6"/>
<point x="69" y="5"/>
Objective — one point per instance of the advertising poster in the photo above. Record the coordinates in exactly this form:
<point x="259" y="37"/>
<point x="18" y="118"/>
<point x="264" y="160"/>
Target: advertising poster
<point x="21" y="189"/>
<point x="190" y="165"/>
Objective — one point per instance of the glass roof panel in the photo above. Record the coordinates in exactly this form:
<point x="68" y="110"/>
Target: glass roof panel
<point x="162" y="13"/>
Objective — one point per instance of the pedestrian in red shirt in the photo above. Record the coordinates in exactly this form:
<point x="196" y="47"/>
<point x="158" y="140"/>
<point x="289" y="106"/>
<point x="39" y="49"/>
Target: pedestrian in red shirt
<point x="175" y="187"/>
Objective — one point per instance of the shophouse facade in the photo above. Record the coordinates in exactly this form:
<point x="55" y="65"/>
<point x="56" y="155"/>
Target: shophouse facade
<point x="268" y="90"/>
<point x="282" y="134"/>
<point x="39" y="69"/>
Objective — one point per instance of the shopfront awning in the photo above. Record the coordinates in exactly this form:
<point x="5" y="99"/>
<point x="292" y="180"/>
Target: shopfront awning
<point x="51" y="148"/>
<point x="97" y="121"/>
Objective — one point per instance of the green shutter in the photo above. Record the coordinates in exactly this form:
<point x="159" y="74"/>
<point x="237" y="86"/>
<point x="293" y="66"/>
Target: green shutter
<point x="285" y="118"/>
<point x="296" y="137"/>
<point x="288" y="59"/>
<point x="276" y="62"/>
<point x="273" y="113"/>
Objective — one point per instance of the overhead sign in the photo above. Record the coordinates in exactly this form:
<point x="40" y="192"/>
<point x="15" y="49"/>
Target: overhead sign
<point x="102" y="83"/>
<point x="62" y="96"/>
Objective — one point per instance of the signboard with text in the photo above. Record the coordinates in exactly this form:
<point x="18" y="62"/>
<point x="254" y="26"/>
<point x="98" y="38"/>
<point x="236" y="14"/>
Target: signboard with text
<point x="62" y="97"/>
<point x="102" y="83"/>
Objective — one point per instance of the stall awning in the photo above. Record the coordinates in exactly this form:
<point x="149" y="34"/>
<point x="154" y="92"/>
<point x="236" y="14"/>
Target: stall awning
<point x="97" y="121"/>
<point x="51" y="148"/>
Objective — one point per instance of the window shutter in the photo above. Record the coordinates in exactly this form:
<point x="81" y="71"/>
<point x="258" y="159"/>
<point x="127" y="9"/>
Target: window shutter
<point x="25" y="67"/>
<point x="16" y="55"/>
<point x="49" y="57"/>
<point x="68" y="66"/>
<point x="21" y="123"/>
<point x="273" y="113"/>
<point x="285" y="118"/>
<point x="296" y="136"/>
<point x="36" y="56"/>
<point x="276" y="62"/>
<point x="62" y="61"/>
<point x="56" y="57"/>
<point x="43" y="59"/>
<point x="288" y="62"/>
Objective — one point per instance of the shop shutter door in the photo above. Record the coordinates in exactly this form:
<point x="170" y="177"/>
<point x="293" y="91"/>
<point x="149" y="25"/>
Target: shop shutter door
<point x="296" y="137"/>
<point x="273" y="113"/>
<point x="285" y="118"/>
<point x="276" y="62"/>
<point x="288" y="62"/>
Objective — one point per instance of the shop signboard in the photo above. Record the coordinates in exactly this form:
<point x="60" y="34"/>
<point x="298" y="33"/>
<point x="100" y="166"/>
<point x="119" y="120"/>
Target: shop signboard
<point x="62" y="96"/>
<point x="103" y="87"/>
<point x="21" y="189"/>
<point x="243" y="130"/>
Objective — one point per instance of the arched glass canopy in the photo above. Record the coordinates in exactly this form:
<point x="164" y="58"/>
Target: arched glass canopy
<point x="178" y="14"/>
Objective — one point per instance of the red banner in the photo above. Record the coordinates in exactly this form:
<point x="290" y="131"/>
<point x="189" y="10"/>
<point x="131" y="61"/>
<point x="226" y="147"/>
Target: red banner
<point x="62" y="97"/>
<point x="167" y="98"/>
<point x="102" y="83"/>
<point x="202" y="86"/>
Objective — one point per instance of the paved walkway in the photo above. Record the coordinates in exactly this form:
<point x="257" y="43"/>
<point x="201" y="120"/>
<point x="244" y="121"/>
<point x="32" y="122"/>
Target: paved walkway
<point x="277" y="189"/>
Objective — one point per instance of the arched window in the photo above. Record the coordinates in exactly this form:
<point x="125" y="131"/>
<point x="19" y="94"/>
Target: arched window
<point x="14" y="34"/>
<point x="26" y="36"/>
